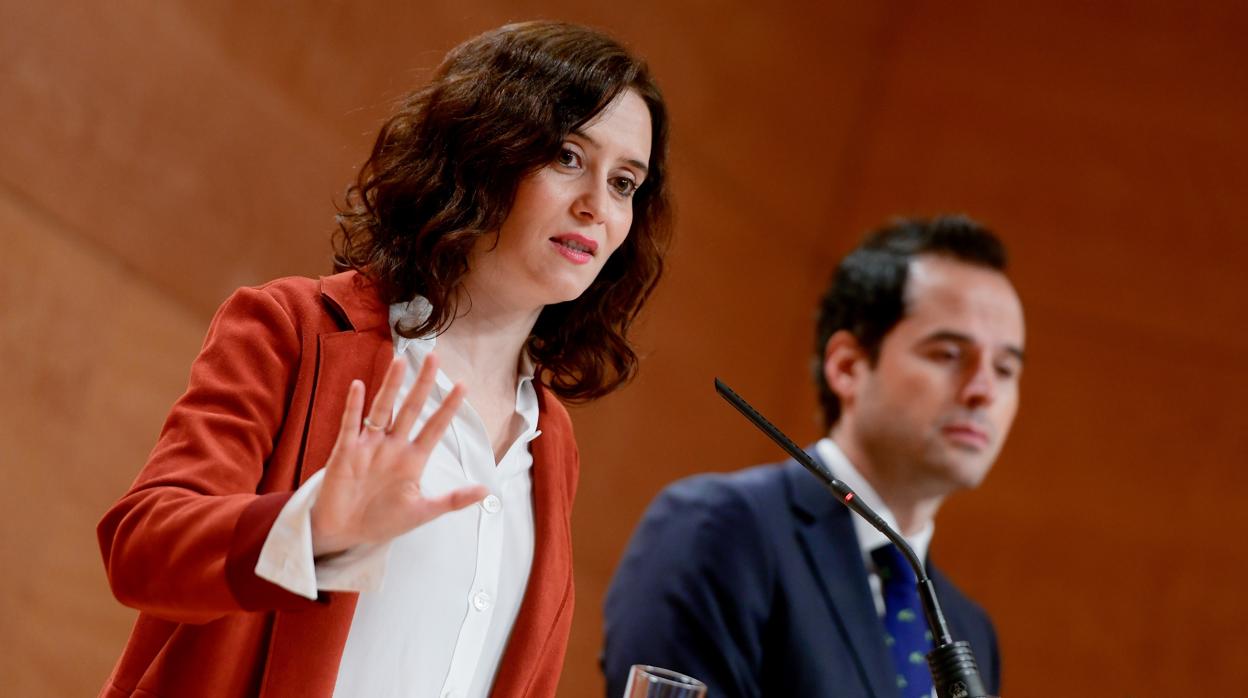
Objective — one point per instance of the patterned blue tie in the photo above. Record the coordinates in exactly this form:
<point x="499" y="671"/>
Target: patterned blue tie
<point x="906" y="633"/>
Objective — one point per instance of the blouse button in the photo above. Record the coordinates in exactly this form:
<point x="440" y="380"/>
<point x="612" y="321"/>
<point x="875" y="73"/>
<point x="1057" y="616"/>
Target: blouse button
<point x="481" y="600"/>
<point x="492" y="504"/>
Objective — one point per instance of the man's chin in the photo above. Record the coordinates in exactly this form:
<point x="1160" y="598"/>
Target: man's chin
<point x="966" y="470"/>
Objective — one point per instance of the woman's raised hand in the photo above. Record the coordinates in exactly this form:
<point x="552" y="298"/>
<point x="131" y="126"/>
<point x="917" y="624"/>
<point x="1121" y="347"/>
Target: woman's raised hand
<point x="371" y="491"/>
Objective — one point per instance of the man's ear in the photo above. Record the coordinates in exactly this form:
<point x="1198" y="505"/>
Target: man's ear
<point x="844" y="365"/>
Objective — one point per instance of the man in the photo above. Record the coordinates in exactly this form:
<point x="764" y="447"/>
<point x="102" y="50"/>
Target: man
<point x="760" y="583"/>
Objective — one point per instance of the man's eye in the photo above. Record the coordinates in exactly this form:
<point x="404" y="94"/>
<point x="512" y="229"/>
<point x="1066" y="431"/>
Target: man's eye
<point x="624" y="186"/>
<point x="1006" y="371"/>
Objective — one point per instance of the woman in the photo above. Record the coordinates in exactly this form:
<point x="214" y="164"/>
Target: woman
<point x="498" y="243"/>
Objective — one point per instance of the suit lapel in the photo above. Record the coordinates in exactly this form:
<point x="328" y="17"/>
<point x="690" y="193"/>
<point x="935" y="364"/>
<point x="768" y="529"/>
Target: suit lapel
<point x="827" y="536"/>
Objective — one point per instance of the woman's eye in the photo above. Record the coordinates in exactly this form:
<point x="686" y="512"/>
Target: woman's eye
<point x="624" y="186"/>
<point x="567" y="158"/>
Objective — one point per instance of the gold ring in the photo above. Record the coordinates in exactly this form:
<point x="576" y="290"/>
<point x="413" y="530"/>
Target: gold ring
<point x="368" y="424"/>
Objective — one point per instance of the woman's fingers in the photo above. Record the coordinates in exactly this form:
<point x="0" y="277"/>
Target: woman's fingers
<point x="451" y="501"/>
<point x="383" y="404"/>
<point x="349" y="428"/>
<point x="433" y="429"/>
<point x="415" y="400"/>
<point x="367" y="470"/>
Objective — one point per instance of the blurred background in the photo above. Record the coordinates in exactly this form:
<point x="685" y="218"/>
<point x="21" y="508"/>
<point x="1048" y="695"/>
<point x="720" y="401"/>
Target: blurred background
<point x="154" y="156"/>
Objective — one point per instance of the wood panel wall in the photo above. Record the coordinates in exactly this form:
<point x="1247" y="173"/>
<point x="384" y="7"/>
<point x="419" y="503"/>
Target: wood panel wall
<point x="155" y="156"/>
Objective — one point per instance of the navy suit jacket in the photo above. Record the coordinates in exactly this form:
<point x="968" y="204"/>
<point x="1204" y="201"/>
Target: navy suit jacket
<point x="754" y="583"/>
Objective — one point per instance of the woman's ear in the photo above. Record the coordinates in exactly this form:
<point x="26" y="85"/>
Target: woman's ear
<point x="844" y="363"/>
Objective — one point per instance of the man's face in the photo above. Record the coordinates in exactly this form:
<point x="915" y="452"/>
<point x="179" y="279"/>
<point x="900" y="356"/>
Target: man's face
<point x="933" y="412"/>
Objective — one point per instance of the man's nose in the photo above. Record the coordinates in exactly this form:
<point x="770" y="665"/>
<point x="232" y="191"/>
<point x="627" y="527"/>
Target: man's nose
<point x="980" y="386"/>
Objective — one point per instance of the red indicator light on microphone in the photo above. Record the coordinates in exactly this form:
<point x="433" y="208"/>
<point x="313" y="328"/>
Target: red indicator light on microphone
<point x="849" y="496"/>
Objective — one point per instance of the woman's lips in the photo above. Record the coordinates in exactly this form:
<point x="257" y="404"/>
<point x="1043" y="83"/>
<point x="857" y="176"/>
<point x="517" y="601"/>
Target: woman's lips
<point x="576" y="248"/>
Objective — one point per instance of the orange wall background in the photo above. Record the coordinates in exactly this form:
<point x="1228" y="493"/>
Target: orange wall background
<point x="153" y="156"/>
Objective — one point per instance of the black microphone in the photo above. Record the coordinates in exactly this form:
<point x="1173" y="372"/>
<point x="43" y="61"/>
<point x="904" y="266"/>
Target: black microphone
<point x="955" y="673"/>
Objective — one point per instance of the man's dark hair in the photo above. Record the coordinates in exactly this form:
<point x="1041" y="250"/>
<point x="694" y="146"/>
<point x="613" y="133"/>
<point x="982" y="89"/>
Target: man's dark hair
<point x="444" y="172"/>
<point x="867" y="296"/>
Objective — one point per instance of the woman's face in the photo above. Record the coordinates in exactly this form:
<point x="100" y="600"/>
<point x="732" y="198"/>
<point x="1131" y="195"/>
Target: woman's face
<point x="570" y="215"/>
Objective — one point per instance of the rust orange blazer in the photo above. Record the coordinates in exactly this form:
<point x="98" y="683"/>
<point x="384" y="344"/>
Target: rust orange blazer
<point x="259" y="416"/>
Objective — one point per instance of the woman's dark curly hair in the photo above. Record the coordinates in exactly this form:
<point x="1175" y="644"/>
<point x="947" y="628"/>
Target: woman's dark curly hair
<point x="444" y="172"/>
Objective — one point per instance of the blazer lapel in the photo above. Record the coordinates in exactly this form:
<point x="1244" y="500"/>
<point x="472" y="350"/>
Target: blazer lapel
<point x="307" y="646"/>
<point x="827" y="536"/>
<point x="342" y="357"/>
<point x="362" y="350"/>
<point x="546" y="610"/>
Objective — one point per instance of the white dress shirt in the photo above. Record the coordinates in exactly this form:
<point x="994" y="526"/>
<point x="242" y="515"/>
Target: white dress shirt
<point x="437" y="603"/>
<point x="868" y="537"/>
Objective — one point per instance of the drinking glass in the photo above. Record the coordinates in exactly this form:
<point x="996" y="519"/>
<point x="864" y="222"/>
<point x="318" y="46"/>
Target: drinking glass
<point x="655" y="682"/>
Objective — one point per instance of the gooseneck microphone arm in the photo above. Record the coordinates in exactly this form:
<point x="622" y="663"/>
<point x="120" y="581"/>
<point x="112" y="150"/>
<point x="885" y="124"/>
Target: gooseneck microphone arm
<point x="954" y="671"/>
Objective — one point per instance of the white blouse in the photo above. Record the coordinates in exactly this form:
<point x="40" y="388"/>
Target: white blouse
<point x="437" y="603"/>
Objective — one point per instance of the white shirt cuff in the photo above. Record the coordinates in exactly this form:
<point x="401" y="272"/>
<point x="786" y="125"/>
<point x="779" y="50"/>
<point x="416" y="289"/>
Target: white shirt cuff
<point x="286" y="558"/>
